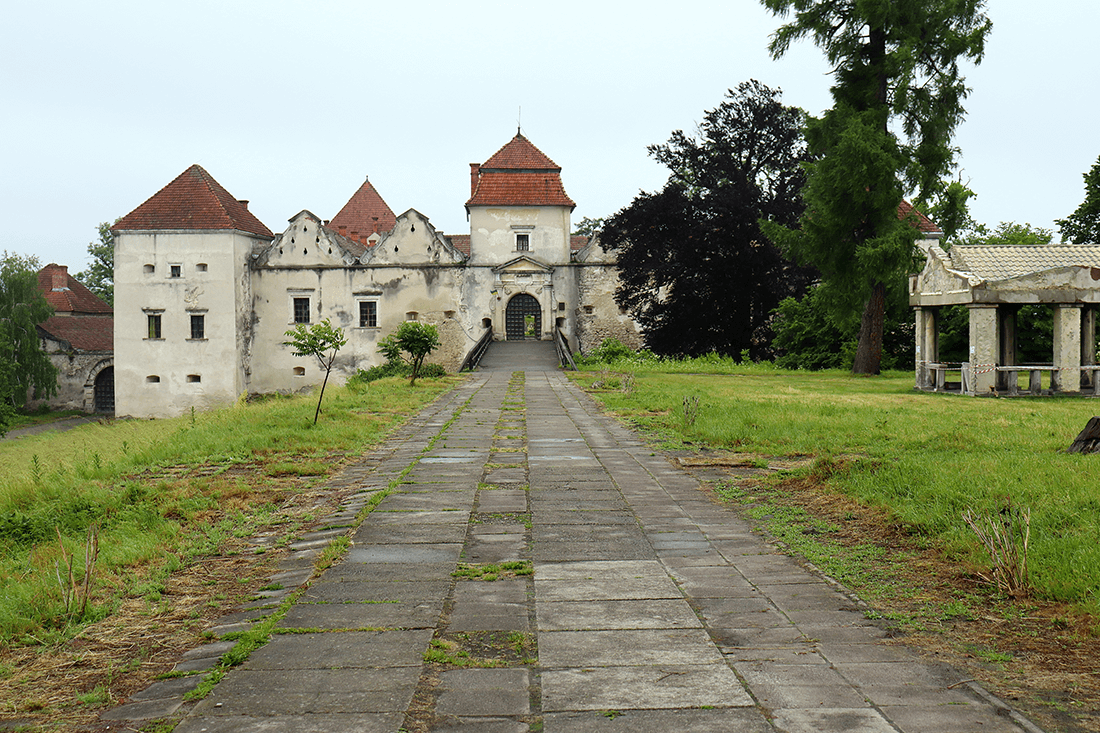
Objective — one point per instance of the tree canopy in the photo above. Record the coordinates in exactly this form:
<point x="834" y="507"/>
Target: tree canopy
<point x="419" y="339"/>
<point x="25" y="369"/>
<point x="695" y="270"/>
<point x="1083" y="225"/>
<point x="100" y="275"/>
<point x="897" y="98"/>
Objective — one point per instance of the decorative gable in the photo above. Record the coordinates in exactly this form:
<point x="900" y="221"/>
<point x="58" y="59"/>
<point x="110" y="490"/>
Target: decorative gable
<point x="308" y="243"/>
<point x="413" y="241"/>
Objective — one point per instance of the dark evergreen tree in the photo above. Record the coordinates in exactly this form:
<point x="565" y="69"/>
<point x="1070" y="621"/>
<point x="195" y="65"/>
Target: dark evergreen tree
<point x="696" y="271"/>
<point x="896" y="67"/>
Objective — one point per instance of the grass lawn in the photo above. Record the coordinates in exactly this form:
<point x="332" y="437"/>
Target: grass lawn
<point x="923" y="458"/>
<point x="158" y="494"/>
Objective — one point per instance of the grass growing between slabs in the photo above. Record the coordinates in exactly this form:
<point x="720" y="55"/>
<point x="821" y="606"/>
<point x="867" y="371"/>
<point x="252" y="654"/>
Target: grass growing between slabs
<point x="158" y="494"/>
<point x="924" y="459"/>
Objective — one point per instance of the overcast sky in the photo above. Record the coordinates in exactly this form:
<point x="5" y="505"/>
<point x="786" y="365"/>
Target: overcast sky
<point x="291" y="104"/>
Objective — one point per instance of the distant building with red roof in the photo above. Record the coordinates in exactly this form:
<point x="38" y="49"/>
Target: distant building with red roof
<point x="79" y="339"/>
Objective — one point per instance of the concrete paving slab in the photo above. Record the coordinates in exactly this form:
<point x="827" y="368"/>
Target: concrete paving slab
<point x="800" y="686"/>
<point x="831" y="720"/>
<point x="728" y="720"/>
<point x="419" y="615"/>
<point x="143" y="710"/>
<point x="301" y="692"/>
<point x="400" y="572"/>
<point x="359" y="591"/>
<point x="352" y="649"/>
<point x="419" y="532"/>
<point x="360" y="723"/>
<point x="626" y="647"/>
<point x="382" y="516"/>
<point x="404" y="554"/>
<point x="566" y="551"/>
<point x="600" y="570"/>
<point x="611" y="589"/>
<point x="950" y="719"/>
<point x="739" y="613"/>
<point x="484" y="692"/>
<point x="646" y="687"/>
<point x="595" y="615"/>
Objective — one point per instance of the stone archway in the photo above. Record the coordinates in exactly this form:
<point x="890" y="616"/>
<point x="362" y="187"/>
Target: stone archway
<point x="523" y="318"/>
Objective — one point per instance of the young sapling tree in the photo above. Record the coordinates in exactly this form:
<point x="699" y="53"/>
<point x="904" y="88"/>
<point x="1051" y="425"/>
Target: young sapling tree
<point x="322" y="341"/>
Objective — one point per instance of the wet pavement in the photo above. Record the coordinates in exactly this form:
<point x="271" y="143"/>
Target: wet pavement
<point x="650" y="608"/>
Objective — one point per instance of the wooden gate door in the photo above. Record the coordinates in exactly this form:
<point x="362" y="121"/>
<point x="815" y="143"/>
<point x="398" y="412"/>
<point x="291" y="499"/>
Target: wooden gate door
<point x="105" y="391"/>
<point x="523" y="318"/>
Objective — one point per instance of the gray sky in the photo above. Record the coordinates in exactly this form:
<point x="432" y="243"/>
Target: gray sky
<point x="290" y="104"/>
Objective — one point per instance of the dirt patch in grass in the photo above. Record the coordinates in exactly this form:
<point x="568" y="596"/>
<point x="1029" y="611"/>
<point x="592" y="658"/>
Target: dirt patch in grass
<point x="1039" y="656"/>
<point x="67" y="686"/>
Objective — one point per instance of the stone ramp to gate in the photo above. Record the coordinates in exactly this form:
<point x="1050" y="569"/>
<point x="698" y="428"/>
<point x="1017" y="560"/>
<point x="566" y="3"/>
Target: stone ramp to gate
<point x="527" y="355"/>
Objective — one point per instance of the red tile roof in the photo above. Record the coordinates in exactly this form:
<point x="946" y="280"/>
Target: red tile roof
<point x="519" y="153"/>
<point x="365" y="213"/>
<point x="461" y="242"/>
<point x="924" y="224"/>
<point x="519" y="174"/>
<point x="577" y="242"/>
<point x="194" y="200"/>
<point x="66" y="294"/>
<point x="84" y="333"/>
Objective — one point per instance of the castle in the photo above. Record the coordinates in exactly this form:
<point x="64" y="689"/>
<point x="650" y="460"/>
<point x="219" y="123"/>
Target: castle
<point x="204" y="291"/>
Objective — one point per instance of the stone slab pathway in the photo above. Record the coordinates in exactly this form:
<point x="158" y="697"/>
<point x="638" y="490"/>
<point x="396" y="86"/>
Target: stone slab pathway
<point x="650" y="608"/>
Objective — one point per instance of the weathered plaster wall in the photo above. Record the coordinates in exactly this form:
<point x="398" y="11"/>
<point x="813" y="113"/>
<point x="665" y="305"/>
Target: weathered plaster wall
<point x="76" y="373"/>
<point x="427" y="291"/>
<point x="493" y="233"/>
<point x="172" y="374"/>
<point x="598" y="315"/>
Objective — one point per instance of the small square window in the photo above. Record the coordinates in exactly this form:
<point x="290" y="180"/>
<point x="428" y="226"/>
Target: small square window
<point x="198" y="327"/>
<point x="175" y="270"/>
<point x="301" y="310"/>
<point x="153" y="320"/>
<point x="523" y="242"/>
<point x="148" y="269"/>
<point x="368" y="314"/>
<point x="201" y="267"/>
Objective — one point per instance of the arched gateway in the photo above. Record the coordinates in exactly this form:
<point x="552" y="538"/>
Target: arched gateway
<point x="523" y="318"/>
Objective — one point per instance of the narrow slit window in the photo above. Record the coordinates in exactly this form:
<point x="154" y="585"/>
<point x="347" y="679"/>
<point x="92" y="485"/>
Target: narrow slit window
<point x="299" y="371"/>
<point x="153" y="379"/>
<point x="193" y="378"/>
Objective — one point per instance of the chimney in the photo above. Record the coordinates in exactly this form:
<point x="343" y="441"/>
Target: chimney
<point x="475" y="173"/>
<point x="243" y="202"/>
<point x="61" y="278"/>
<point x="342" y="227"/>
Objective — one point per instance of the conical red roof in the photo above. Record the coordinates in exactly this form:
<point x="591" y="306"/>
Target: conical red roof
<point x="194" y="200"/>
<point x="365" y="213"/>
<point x="520" y="153"/>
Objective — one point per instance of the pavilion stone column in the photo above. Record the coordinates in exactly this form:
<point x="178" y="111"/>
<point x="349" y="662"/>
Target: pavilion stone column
<point x="1067" y="347"/>
<point x="1088" y="344"/>
<point x="926" y="351"/>
<point x="985" y="348"/>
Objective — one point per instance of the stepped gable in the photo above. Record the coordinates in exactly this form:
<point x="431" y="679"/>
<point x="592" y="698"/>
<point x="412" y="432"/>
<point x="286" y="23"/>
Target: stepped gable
<point x="194" y="200"/>
<point x="67" y="294"/>
<point x="519" y="174"/>
<point x="365" y="213"/>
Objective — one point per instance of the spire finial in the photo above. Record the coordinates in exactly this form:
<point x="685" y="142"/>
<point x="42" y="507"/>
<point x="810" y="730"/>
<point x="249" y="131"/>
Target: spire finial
<point x="519" y="122"/>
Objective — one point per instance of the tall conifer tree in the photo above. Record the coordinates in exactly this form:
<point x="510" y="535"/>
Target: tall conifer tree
<point x="897" y="99"/>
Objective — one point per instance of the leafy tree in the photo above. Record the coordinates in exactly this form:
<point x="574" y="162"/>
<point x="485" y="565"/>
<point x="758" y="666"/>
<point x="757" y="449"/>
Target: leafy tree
<point x="419" y="339"/>
<point x="100" y="275"/>
<point x="896" y="68"/>
<point x="323" y="342"/>
<point x="1083" y="225"/>
<point x="695" y="270"/>
<point x="24" y="366"/>
<point x="588" y="226"/>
